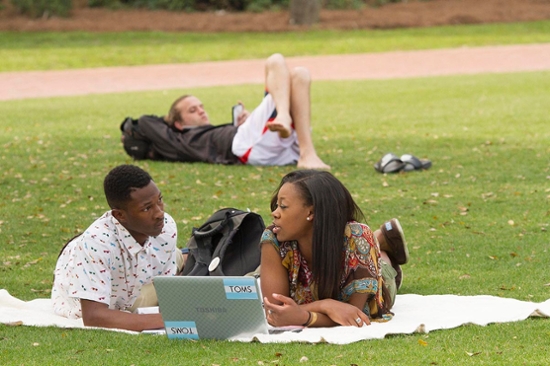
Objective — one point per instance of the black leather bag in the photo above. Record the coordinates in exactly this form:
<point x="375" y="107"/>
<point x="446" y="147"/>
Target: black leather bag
<point x="227" y="244"/>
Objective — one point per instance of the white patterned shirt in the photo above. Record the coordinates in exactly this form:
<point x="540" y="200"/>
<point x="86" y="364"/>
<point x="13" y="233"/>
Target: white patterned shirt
<point x="106" y="264"/>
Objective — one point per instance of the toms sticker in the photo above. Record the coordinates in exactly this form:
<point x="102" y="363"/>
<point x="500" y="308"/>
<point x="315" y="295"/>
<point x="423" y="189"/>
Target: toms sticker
<point x="181" y="330"/>
<point x="240" y="288"/>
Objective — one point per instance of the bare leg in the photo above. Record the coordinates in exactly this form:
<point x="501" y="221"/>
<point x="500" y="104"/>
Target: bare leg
<point x="277" y="81"/>
<point x="290" y="91"/>
<point x="300" y="110"/>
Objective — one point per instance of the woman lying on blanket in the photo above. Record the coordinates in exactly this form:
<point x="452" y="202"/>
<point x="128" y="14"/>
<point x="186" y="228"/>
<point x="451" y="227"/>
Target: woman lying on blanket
<point x="321" y="267"/>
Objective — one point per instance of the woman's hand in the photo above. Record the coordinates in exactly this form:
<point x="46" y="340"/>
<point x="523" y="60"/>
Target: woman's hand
<point x="288" y="313"/>
<point x="346" y="314"/>
<point x="333" y="312"/>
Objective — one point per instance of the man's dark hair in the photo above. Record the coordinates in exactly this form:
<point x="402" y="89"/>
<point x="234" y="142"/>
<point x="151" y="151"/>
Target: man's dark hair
<point x="121" y="182"/>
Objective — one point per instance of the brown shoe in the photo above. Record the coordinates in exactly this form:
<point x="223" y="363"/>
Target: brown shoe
<point x="399" y="276"/>
<point x="395" y="246"/>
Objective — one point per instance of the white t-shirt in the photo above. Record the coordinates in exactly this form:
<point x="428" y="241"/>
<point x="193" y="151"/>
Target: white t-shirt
<point x="107" y="265"/>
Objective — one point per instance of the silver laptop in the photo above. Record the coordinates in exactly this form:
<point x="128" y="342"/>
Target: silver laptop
<point x="196" y="307"/>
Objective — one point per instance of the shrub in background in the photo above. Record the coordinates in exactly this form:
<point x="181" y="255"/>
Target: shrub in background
<point x="101" y="3"/>
<point x="384" y="2"/>
<point x="230" y="5"/>
<point x="257" y="6"/>
<point x="174" y="5"/>
<point x="343" y="4"/>
<point x="47" y="8"/>
<point x="43" y="8"/>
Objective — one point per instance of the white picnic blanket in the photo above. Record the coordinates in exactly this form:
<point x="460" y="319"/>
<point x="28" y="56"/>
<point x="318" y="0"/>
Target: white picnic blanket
<point x="413" y="314"/>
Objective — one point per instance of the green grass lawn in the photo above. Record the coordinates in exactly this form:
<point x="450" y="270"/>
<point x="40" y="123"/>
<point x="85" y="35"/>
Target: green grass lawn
<point x="20" y="51"/>
<point x="476" y="222"/>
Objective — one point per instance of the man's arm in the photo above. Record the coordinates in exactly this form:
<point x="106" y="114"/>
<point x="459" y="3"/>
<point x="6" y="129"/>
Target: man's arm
<point x="96" y="314"/>
<point x="167" y="143"/>
<point x="161" y="136"/>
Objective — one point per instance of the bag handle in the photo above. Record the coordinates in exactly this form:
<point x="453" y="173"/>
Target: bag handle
<point x="205" y="234"/>
<point x="204" y="249"/>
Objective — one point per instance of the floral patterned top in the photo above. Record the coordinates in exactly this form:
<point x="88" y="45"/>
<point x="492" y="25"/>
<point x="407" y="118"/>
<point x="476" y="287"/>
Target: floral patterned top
<point x="361" y="273"/>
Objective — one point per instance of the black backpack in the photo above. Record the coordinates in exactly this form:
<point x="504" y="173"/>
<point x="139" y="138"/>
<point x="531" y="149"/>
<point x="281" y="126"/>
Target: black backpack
<point x="227" y="244"/>
<point x="135" y="144"/>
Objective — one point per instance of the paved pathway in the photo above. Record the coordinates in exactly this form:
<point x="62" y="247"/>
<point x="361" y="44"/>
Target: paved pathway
<point x="403" y="64"/>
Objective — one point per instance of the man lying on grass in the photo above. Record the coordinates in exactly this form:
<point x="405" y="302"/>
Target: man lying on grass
<point x="105" y="273"/>
<point x="277" y="132"/>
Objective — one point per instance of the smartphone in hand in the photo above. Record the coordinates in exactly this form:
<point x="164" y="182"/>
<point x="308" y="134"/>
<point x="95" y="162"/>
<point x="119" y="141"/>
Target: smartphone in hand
<point x="236" y="110"/>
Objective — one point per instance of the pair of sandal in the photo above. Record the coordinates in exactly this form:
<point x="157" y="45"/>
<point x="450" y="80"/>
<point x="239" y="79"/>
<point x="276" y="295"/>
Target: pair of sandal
<point x="391" y="163"/>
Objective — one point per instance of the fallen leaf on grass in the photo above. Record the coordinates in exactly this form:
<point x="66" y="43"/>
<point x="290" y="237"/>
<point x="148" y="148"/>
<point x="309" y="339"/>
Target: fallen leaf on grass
<point x="304" y="359"/>
<point x="41" y="291"/>
<point x="473" y="353"/>
<point x="422" y="342"/>
<point x="14" y="324"/>
<point x="32" y="262"/>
